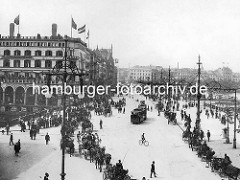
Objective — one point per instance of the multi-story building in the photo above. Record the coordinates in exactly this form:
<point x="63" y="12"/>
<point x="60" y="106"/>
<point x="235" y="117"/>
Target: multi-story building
<point x="142" y="73"/>
<point x="123" y="75"/>
<point x="25" y="60"/>
<point x="102" y="67"/>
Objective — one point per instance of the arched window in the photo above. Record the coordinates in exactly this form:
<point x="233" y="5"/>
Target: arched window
<point x="59" y="53"/>
<point x="27" y="53"/>
<point x="16" y="63"/>
<point x="27" y="63"/>
<point x="48" y="53"/>
<point x="6" y="53"/>
<point x="38" y="53"/>
<point x="48" y="64"/>
<point x="17" y="53"/>
<point x="38" y="63"/>
<point x="6" y="63"/>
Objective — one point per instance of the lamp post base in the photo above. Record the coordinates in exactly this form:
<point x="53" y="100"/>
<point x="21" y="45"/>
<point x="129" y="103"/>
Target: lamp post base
<point x="62" y="176"/>
<point x="234" y="143"/>
<point x="227" y="141"/>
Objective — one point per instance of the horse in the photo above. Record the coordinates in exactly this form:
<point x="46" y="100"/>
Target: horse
<point x="33" y="134"/>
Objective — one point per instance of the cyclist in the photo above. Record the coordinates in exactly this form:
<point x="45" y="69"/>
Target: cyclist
<point x="143" y="138"/>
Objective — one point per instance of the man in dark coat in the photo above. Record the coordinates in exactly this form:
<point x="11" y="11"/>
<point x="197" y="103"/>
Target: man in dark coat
<point x="17" y="147"/>
<point x="208" y="135"/>
<point x="46" y="176"/>
<point x="101" y="122"/>
<point x="47" y="138"/>
<point x="153" y="170"/>
<point x="11" y="140"/>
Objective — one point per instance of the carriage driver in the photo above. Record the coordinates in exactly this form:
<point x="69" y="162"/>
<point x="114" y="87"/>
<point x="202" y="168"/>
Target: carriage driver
<point x="143" y="138"/>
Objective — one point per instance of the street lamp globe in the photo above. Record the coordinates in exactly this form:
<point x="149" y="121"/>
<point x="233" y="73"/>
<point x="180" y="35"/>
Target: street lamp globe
<point x="48" y="95"/>
<point x="80" y="95"/>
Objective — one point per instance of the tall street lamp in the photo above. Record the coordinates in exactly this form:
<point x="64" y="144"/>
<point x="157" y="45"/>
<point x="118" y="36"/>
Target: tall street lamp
<point x="62" y="69"/>
<point x="198" y="95"/>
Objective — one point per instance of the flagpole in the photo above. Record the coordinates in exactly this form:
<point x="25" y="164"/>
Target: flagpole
<point x="19" y="24"/>
<point x="71" y="26"/>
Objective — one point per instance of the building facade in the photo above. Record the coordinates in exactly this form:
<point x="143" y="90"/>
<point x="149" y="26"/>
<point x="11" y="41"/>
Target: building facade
<point x="26" y="60"/>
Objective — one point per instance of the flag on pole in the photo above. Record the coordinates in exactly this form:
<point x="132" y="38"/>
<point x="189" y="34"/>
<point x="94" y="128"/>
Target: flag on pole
<point x="82" y="29"/>
<point x="74" y="25"/>
<point x="16" y="20"/>
<point x="87" y="35"/>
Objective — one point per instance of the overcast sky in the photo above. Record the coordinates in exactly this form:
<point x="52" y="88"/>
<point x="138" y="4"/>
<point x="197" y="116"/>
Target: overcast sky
<point x="144" y="32"/>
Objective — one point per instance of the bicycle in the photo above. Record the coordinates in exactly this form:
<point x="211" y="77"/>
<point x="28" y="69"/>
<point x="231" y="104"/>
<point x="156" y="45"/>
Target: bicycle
<point x="145" y="142"/>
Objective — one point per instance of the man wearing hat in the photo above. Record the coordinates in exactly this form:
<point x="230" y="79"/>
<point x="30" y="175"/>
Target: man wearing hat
<point x="46" y="176"/>
<point x="11" y="140"/>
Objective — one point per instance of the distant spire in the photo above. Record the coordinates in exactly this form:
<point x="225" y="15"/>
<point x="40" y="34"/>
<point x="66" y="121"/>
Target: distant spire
<point x="97" y="47"/>
<point x="111" y="49"/>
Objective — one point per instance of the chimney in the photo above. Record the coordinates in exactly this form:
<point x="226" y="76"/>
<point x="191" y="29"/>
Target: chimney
<point x="11" y="30"/>
<point x="54" y="30"/>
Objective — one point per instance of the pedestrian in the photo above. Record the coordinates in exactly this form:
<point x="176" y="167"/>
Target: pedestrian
<point x="47" y="138"/>
<point x="153" y="170"/>
<point x="3" y="131"/>
<point x="208" y="135"/>
<point x="17" y="147"/>
<point x="101" y="123"/>
<point x="7" y="128"/>
<point x="201" y="134"/>
<point x="11" y="140"/>
<point x="46" y="176"/>
<point x="124" y="110"/>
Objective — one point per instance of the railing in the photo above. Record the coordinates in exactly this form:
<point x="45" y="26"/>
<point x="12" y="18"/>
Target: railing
<point x="42" y="38"/>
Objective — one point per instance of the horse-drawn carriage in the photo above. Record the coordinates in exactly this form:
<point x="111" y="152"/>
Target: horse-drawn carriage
<point x="68" y="143"/>
<point x="218" y="165"/>
<point x="171" y="116"/>
<point x="113" y="173"/>
<point x="139" y="114"/>
<point x="107" y="111"/>
<point x="87" y="126"/>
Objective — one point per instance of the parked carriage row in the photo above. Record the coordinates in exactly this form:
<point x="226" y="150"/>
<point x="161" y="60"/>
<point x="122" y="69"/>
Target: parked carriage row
<point x="222" y="166"/>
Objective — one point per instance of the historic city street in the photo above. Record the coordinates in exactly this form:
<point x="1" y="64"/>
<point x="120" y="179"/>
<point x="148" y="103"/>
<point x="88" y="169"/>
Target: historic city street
<point x="119" y="90"/>
<point x="174" y="160"/>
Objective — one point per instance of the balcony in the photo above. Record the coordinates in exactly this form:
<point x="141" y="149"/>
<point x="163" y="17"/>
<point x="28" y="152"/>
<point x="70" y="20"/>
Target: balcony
<point x="17" y="57"/>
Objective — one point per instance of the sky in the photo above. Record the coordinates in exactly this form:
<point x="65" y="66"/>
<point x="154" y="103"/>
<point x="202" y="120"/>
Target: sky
<point x="142" y="32"/>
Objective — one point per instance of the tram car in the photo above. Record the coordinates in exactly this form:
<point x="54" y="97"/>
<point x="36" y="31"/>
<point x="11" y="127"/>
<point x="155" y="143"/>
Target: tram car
<point x="139" y="114"/>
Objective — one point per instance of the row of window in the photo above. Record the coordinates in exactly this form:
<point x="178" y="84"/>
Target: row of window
<point x="37" y="63"/>
<point x="28" y="44"/>
<point x="143" y="78"/>
<point x="146" y="71"/>
<point x="29" y="53"/>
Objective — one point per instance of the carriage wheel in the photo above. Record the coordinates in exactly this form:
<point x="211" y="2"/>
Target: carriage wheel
<point x="104" y="176"/>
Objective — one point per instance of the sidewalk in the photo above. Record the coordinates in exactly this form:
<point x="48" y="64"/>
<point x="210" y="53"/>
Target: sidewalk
<point x="217" y="142"/>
